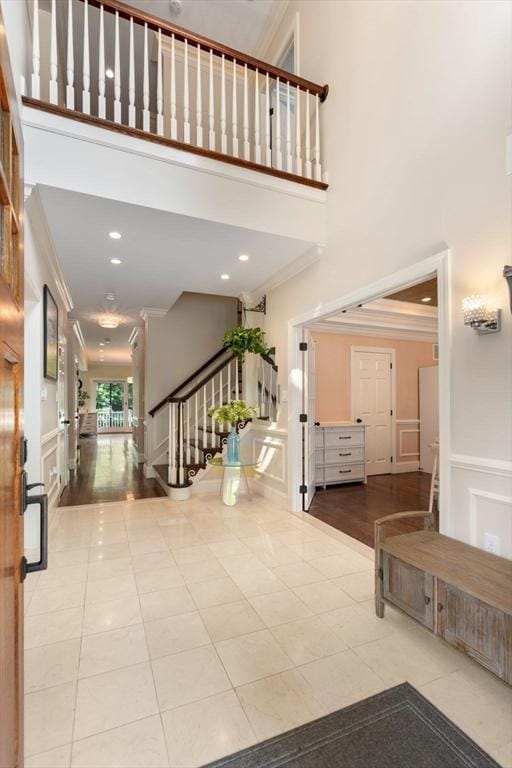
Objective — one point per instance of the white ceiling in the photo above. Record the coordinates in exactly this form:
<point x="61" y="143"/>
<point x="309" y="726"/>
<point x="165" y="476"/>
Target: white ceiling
<point x="163" y="254"/>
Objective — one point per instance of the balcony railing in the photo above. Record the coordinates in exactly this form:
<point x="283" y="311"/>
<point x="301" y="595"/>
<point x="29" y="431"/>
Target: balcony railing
<point x="127" y="70"/>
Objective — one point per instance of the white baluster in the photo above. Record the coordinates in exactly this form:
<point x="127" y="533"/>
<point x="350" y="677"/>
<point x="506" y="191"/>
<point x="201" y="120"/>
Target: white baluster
<point x="36" y="55"/>
<point x="159" y="89"/>
<point x="308" y="140"/>
<point x="205" y="420"/>
<point x="186" y="107"/>
<point x="54" y="88"/>
<point x="181" y="468"/>
<point x="234" y="113"/>
<point x="257" y="146"/>
<point x="279" y="153"/>
<point x="145" y="84"/>
<point x="268" y="151"/>
<point x="196" y="430"/>
<point x="212" y="434"/>
<point x="247" y="146"/>
<point x="289" y="159"/>
<point x="236" y="379"/>
<point x="131" y="81"/>
<point x="172" y="445"/>
<point x="70" y="65"/>
<point x="117" y="74"/>
<point x="211" y="108"/>
<point x="298" y="137"/>
<point x="101" y="67"/>
<point x="187" y="432"/>
<point x="318" y="167"/>
<point x="223" y="134"/>
<point x="174" y="122"/>
<point x="229" y="381"/>
<point x="86" y="69"/>
<point x="220" y="390"/>
<point x="199" y="102"/>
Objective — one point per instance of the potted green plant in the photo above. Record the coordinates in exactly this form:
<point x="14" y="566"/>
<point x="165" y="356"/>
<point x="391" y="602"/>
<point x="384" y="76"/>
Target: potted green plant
<point x="242" y="340"/>
<point x="234" y="412"/>
<point x="83" y="396"/>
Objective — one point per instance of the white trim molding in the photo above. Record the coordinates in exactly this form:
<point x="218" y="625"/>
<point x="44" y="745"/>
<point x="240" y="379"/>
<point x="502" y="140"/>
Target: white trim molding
<point x="53" y="433"/>
<point x="474" y="495"/>
<point x="481" y="464"/>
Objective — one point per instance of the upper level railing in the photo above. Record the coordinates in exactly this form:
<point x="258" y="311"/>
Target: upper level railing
<point x="113" y="65"/>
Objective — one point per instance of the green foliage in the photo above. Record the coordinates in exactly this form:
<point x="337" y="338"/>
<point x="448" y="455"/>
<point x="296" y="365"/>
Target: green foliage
<point x="234" y="412"/>
<point x="83" y="396"/>
<point x="242" y="340"/>
<point x="109" y="395"/>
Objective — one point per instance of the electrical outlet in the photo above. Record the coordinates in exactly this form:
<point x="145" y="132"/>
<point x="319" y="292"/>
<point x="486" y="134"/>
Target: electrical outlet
<point x="492" y="543"/>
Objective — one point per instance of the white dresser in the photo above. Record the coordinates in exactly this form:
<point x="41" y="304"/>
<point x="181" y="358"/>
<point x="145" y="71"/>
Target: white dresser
<point x="340" y="454"/>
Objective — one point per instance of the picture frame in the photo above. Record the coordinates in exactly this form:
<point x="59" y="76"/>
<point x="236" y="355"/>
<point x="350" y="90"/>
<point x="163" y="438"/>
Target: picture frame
<point x="51" y="335"/>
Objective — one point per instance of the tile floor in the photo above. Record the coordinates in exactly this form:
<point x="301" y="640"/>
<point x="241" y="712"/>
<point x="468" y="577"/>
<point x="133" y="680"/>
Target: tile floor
<point x="167" y="635"/>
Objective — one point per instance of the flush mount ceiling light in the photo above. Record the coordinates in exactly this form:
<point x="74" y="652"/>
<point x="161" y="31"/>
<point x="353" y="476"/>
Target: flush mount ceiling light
<point x="109" y="72"/>
<point x="110" y="297"/>
<point x="102" y="344"/>
<point x="115" y="260"/>
<point x="243" y="257"/>
<point x="108" y="321"/>
<point x="115" y="235"/>
<point x="224" y="277"/>
<point x="426" y="299"/>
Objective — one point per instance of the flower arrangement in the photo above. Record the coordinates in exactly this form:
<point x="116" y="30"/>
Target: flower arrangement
<point x="233" y="412"/>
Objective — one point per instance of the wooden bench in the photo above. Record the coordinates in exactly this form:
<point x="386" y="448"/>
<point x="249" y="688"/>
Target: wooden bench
<point x="461" y="593"/>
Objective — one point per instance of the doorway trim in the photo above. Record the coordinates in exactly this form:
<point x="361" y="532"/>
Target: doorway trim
<point x="392" y="353"/>
<point x="126" y="429"/>
<point x="438" y="266"/>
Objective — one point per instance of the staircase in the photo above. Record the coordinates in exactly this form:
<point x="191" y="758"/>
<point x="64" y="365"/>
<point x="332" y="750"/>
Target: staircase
<point x="194" y="439"/>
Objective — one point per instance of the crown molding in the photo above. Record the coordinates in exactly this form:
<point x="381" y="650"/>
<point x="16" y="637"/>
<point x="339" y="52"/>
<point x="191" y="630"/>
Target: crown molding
<point x="152" y="312"/>
<point x="79" y="335"/>
<point x="298" y="265"/>
<point x="381" y="333"/>
<point x="42" y="236"/>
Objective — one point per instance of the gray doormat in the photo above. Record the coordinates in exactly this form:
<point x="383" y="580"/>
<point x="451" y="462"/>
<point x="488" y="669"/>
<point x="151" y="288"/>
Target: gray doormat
<point x="398" y="728"/>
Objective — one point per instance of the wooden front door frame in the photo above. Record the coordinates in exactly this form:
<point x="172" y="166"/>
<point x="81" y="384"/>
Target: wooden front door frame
<point x="433" y="266"/>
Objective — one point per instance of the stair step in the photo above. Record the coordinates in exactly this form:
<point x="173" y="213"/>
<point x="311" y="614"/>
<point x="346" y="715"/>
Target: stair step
<point x="211" y="449"/>
<point x="218" y="432"/>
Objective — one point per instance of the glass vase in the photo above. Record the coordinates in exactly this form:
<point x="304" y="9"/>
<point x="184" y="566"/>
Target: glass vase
<point x="233" y="452"/>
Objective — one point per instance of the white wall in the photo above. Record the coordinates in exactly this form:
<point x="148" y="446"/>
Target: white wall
<point x="414" y="134"/>
<point x="19" y="38"/>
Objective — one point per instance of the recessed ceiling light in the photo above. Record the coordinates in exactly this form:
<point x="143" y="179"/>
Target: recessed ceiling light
<point x="224" y="277"/>
<point x="243" y="257"/>
<point x="115" y="261"/>
<point x="115" y="235"/>
<point x="102" y="344"/>
<point x="109" y="73"/>
<point x="108" y="321"/>
<point x="427" y="299"/>
<point x="110" y="297"/>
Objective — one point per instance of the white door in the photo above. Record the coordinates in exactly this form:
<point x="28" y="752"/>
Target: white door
<point x="62" y="395"/>
<point x="308" y="427"/>
<point x="429" y="415"/>
<point x="372" y="402"/>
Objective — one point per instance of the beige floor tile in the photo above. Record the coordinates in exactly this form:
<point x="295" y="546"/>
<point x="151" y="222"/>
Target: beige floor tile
<point x="297" y="574"/>
<point x="360" y="586"/>
<point x="189" y="676"/>
<point x="55" y="578"/>
<point x="111" y="650"/>
<point x="250" y="657"/>
<point x="56" y="626"/>
<point x="279" y="703"/>
<point x="215" y="592"/>
<point x="279" y="607"/>
<point x="103" y="590"/>
<point x="357" y="625"/>
<point x="105" y="569"/>
<point x="175" y="633"/>
<point x="323" y="596"/>
<point x="480" y="705"/>
<point x="108" y="552"/>
<point x="228" y="548"/>
<point x="262" y="582"/>
<point x="206" y="730"/>
<point x="49" y="665"/>
<point x="503" y="755"/>
<point x="113" y="699"/>
<point x="177" y="537"/>
<point x="68" y="557"/>
<point x="241" y="565"/>
<point x="60" y="757"/>
<point x="153" y="561"/>
<point x="197" y="554"/>
<point x="335" y="566"/>
<point x="136" y="745"/>
<point x="49" y="718"/>
<point x="155" y="581"/>
<point x="340" y="680"/>
<point x="166" y="602"/>
<point x="231" y="620"/>
<point x="313" y="549"/>
<point x="416" y="656"/>
<point x="194" y="573"/>
<point x="308" y="639"/>
<point x="112" y="614"/>
<point x="48" y="600"/>
<point x="143" y="546"/>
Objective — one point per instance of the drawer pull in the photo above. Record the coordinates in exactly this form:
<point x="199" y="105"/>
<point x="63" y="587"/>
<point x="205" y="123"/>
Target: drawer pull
<point x="344" y="471"/>
<point x="345" y="454"/>
<point x="427" y="600"/>
<point x="440" y="607"/>
<point x="344" y="437"/>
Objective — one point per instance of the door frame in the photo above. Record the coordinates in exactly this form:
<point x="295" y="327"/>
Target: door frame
<point x="438" y="266"/>
<point x="126" y="425"/>
<point x="392" y="353"/>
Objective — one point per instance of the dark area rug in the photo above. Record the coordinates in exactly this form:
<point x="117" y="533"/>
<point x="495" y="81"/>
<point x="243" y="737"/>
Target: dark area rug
<point x="398" y="728"/>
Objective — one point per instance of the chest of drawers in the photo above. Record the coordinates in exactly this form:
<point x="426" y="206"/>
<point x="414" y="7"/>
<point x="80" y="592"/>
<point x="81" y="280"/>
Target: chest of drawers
<point x="340" y="454"/>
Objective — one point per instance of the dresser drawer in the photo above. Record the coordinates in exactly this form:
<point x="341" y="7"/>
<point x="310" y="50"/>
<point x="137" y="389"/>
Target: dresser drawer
<point x="319" y="438"/>
<point x="344" y="473"/>
<point x="343" y="454"/>
<point x="349" y="436"/>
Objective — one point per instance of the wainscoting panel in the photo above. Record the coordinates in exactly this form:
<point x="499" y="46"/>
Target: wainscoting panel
<point x="269" y="450"/>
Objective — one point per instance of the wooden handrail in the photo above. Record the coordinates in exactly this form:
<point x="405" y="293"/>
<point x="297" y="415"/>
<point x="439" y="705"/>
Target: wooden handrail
<point x="180" y="33"/>
<point x="269" y="360"/>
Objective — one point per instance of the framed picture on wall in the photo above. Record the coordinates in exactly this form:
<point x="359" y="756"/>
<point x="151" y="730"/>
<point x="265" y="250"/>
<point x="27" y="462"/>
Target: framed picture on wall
<point x="51" y="335"/>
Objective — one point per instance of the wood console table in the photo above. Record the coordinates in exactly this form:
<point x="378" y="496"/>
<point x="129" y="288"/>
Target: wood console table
<point x="461" y="593"/>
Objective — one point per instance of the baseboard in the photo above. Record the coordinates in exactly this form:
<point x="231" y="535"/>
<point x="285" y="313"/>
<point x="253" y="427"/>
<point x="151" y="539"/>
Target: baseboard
<point x="270" y="493"/>
<point x="405" y="466"/>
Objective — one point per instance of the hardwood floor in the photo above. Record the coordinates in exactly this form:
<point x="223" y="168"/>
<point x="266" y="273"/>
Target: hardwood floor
<point x="354" y="508"/>
<point x="108" y="471"/>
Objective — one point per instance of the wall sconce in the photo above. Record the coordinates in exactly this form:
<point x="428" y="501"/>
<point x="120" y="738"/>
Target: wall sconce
<point x="479" y="316"/>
